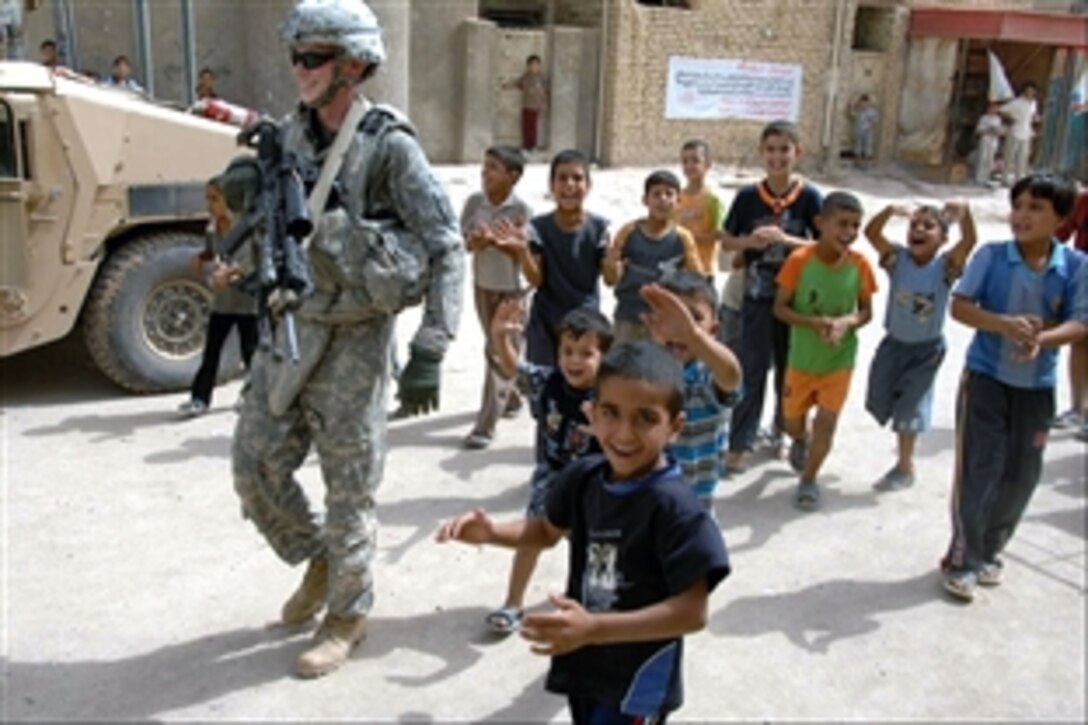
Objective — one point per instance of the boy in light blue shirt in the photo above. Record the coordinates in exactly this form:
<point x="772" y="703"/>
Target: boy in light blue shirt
<point x="905" y="366"/>
<point x="1026" y="298"/>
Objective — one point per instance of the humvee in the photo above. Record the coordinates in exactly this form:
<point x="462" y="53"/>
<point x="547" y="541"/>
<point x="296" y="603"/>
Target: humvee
<point x="101" y="208"/>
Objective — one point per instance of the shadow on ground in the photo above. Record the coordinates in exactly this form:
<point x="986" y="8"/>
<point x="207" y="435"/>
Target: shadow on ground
<point x="192" y="673"/>
<point x="59" y="373"/>
<point x="818" y="616"/>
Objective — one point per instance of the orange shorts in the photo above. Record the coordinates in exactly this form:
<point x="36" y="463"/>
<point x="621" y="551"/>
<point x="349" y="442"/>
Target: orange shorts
<point x="801" y="391"/>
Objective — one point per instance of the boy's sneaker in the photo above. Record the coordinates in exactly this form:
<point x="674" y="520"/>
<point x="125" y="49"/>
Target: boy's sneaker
<point x="477" y="441"/>
<point x="895" y="480"/>
<point x="1069" y="419"/>
<point x="193" y="408"/>
<point x="961" y="585"/>
<point x="991" y="573"/>
<point x="798" y="455"/>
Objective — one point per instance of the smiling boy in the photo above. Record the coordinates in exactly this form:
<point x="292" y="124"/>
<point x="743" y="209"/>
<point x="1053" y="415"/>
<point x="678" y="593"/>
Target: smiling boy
<point x="824" y="294"/>
<point x="644" y="554"/>
<point x="1025" y="297"/>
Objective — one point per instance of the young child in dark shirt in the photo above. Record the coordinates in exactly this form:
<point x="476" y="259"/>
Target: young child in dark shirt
<point x="556" y="395"/>
<point x="644" y="553"/>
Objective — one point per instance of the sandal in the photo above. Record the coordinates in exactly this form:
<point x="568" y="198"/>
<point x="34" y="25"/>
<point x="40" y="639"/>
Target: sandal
<point x="807" y="497"/>
<point x="504" y="620"/>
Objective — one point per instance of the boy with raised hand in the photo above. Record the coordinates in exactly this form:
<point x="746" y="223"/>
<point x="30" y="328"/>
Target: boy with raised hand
<point x="1025" y="297"/>
<point x="905" y="366"/>
<point x="824" y="294"/>
<point x="683" y="318"/>
<point x="556" y="396"/>
<point x="766" y="221"/>
<point x="645" y="250"/>
<point x="644" y="555"/>
<point x="496" y="274"/>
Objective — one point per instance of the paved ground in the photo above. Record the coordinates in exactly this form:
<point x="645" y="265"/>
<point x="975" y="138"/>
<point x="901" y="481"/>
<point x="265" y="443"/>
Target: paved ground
<point x="132" y="589"/>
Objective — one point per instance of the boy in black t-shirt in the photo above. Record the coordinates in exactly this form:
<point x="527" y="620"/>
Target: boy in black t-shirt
<point x="765" y="223"/>
<point x="556" y="396"/>
<point x="644" y="553"/>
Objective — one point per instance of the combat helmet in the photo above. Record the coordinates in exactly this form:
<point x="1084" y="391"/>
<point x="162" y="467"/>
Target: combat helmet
<point x="347" y="24"/>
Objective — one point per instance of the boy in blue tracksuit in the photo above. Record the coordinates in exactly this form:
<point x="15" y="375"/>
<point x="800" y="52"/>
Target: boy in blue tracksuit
<point x="1025" y="297"/>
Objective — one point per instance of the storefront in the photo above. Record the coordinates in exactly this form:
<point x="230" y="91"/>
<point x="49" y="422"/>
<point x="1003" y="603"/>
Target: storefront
<point x="947" y="84"/>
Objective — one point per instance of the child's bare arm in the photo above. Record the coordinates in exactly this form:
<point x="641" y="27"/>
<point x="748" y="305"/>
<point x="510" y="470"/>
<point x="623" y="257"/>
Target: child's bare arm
<point x="692" y="261"/>
<point x="477" y="238"/>
<point x="784" y="311"/>
<point x="571" y="627"/>
<point x="506" y="323"/>
<point x="837" y="328"/>
<point x="669" y="320"/>
<point x="1022" y="329"/>
<point x="960" y="212"/>
<point x="612" y="263"/>
<point x="874" y="232"/>
<point x="476" y="527"/>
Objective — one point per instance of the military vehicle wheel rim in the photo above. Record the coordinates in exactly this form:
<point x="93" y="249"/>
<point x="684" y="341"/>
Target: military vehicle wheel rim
<point x="175" y="317"/>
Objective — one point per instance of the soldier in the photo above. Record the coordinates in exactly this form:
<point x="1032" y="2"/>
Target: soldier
<point x="333" y="398"/>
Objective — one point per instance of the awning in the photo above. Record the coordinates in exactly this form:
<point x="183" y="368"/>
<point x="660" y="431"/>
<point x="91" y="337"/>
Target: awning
<point x="1062" y="29"/>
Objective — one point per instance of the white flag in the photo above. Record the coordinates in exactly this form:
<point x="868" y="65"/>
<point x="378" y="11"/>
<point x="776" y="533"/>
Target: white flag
<point x="1000" y="88"/>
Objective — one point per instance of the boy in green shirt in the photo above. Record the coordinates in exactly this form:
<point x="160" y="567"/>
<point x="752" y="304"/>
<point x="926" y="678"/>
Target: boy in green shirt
<point x="824" y="295"/>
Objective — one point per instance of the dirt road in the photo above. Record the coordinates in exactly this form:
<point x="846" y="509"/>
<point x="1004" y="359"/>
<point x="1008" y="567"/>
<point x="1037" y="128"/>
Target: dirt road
<point x="132" y="588"/>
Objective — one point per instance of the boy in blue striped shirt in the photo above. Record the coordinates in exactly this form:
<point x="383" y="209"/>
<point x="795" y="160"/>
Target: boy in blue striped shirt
<point x="683" y="317"/>
<point x="1025" y="297"/>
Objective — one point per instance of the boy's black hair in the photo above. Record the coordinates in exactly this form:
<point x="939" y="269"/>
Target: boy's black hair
<point x="685" y="283"/>
<point x="533" y="57"/>
<point x="647" y="362"/>
<point x="121" y="58"/>
<point x="697" y="144"/>
<point x="47" y="43"/>
<point x="569" y="156"/>
<point x="512" y="159"/>
<point x="661" y="178"/>
<point x="1026" y="86"/>
<point x="841" y="201"/>
<point x="1060" y="191"/>
<point x="781" y="128"/>
<point x="586" y="320"/>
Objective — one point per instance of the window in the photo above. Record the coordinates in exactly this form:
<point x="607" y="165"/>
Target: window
<point x="8" y="161"/>
<point x="873" y="28"/>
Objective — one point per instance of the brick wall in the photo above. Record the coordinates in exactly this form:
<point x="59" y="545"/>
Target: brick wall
<point x="641" y="39"/>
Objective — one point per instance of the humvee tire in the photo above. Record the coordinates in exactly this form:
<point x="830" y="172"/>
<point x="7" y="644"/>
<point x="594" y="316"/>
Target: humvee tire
<point x="145" y="319"/>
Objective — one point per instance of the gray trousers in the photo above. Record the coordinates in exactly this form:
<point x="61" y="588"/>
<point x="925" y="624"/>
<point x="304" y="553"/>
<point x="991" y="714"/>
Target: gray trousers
<point x="498" y="392"/>
<point x="1001" y="435"/>
<point x="340" y="411"/>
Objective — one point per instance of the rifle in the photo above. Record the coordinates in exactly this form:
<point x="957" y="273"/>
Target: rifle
<point x="282" y="278"/>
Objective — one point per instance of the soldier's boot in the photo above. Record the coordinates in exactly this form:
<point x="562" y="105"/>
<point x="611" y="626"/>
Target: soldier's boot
<point x="333" y="642"/>
<point x="310" y="596"/>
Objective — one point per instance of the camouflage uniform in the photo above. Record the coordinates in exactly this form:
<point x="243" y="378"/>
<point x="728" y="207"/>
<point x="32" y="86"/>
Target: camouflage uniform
<point x="345" y="336"/>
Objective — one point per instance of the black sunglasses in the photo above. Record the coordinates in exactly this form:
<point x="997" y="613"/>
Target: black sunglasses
<point x="312" y="59"/>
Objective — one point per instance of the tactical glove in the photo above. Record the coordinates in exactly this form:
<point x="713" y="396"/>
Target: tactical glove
<point x="418" y="390"/>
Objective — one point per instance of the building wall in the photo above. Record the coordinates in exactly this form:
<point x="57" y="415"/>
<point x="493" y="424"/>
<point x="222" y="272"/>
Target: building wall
<point x="641" y="39"/>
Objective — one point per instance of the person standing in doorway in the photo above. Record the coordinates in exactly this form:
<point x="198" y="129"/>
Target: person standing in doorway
<point x="534" y="101"/>
<point x="1022" y="113"/>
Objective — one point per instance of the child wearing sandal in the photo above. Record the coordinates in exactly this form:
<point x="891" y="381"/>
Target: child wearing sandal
<point x="644" y="555"/>
<point x="824" y="294"/>
<point x="905" y="366"/>
<point x="556" y="397"/>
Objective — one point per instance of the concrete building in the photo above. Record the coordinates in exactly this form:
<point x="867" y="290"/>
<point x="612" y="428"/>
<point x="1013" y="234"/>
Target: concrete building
<point x="608" y="65"/>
